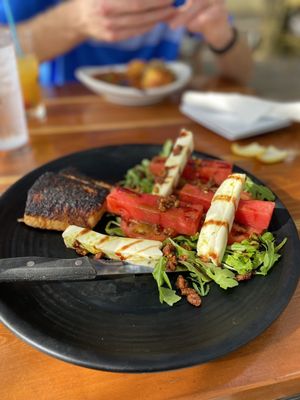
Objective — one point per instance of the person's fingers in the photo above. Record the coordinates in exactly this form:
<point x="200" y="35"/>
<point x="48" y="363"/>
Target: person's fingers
<point x="113" y="7"/>
<point x="137" y="20"/>
<point x="204" y="19"/>
<point x="211" y="14"/>
<point x="123" y="34"/>
<point x="187" y="12"/>
<point x="194" y="9"/>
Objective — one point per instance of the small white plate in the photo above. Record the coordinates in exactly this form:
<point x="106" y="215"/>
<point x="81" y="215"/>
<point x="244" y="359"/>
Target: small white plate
<point x="131" y="96"/>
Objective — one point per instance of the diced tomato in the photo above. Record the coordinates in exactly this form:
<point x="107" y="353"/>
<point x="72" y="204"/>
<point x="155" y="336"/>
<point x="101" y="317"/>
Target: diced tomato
<point x="143" y="230"/>
<point x="254" y="213"/>
<point x="204" y="170"/>
<point x="195" y="195"/>
<point x="207" y="170"/>
<point x="184" y="219"/>
<point x="240" y="232"/>
<point x="157" y="165"/>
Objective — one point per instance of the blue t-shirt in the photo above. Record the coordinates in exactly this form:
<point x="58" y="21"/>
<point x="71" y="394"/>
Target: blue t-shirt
<point x="161" y="42"/>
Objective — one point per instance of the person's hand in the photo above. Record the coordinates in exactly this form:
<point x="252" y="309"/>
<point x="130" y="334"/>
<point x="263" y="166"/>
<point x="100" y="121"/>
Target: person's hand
<point x="114" y="20"/>
<point x="208" y="17"/>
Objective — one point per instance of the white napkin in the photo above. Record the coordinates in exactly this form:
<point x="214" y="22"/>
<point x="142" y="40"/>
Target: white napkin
<point x="237" y="116"/>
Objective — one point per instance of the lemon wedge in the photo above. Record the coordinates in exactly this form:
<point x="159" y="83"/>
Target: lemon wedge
<point x="267" y="155"/>
<point x="272" y="155"/>
<point x="251" y="150"/>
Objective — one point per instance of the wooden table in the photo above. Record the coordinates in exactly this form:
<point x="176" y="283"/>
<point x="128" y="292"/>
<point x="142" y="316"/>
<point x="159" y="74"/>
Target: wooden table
<point x="266" y="368"/>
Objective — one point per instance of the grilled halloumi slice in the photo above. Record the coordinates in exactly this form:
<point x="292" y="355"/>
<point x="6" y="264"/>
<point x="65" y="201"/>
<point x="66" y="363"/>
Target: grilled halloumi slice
<point x="213" y="236"/>
<point x="136" y="251"/>
<point x="175" y="164"/>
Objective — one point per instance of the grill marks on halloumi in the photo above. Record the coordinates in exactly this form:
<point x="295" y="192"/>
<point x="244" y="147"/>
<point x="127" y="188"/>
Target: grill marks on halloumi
<point x="216" y="223"/>
<point x="175" y="164"/>
<point x="225" y="197"/>
<point x="213" y="236"/>
<point x="136" y="251"/>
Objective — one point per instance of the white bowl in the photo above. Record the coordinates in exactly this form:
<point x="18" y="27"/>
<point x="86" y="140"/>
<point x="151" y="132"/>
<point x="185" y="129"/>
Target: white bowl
<point x="131" y="96"/>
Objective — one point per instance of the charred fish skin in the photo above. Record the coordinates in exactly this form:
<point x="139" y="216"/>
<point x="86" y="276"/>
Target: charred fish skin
<point x="73" y="173"/>
<point x="55" y="201"/>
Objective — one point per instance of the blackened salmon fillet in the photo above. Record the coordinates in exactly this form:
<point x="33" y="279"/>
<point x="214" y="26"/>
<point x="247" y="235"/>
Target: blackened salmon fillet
<point x="57" y="200"/>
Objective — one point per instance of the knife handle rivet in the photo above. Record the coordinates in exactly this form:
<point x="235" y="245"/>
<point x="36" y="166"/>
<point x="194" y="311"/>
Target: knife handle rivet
<point x="30" y="263"/>
<point x="78" y="262"/>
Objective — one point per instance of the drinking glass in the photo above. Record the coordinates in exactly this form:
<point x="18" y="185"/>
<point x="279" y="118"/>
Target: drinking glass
<point x="13" y="128"/>
<point x="28" y="66"/>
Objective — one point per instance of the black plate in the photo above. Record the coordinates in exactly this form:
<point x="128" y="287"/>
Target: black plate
<point x="119" y="325"/>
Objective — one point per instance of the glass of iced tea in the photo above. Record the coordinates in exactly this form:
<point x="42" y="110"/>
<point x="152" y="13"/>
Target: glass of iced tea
<point x="28" y="66"/>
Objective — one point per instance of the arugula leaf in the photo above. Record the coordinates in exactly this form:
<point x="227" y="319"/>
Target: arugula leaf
<point x="189" y="260"/>
<point x="267" y="237"/>
<point x="113" y="228"/>
<point x="199" y="279"/>
<point x="167" y="295"/>
<point x="139" y="178"/>
<point x="190" y="241"/>
<point x="258" y="192"/>
<point x="258" y="254"/>
<point x="244" y="246"/>
<point x="237" y="262"/>
<point x="271" y="254"/>
<point x="280" y="245"/>
<point x="182" y="252"/>
<point x="222" y="276"/>
<point x="167" y="148"/>
<point x="159" y="273"/>
<point x="242" y="257"/>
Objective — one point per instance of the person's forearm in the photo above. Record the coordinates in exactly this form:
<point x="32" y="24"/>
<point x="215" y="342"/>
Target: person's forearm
<point x="52" y="33"/>
<point x="237" y="63"/>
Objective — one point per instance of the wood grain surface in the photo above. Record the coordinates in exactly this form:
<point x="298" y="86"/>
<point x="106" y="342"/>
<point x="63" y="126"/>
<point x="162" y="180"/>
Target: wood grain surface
<point x="266" y="368"/>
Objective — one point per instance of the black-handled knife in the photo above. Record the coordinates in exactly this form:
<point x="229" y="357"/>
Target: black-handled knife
<point x="33" y="269"/>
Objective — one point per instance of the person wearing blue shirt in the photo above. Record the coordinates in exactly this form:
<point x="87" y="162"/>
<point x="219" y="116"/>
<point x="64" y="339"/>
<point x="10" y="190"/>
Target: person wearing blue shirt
<point x="73" y="33"/>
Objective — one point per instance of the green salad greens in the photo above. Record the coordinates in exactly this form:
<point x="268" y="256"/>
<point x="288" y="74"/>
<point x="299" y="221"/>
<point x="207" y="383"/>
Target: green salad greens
<point x="241" y="261"/>
<point x="258" y="192"/>
<point x="113" y="227"/>
<point x="139" y="177"/>
<point x="254" y="256"/>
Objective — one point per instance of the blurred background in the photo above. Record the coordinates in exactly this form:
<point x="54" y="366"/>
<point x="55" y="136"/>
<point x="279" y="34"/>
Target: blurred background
<point x="272" y="28"/>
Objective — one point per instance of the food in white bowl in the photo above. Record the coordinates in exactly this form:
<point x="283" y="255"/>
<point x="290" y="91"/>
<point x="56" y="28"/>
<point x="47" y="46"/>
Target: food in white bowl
<point x="153" y="88"/>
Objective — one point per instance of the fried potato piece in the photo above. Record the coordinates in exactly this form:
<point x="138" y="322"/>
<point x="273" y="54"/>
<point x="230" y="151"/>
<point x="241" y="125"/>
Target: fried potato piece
<point x="156" y="74"/>
<point x="134" y="73"/>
